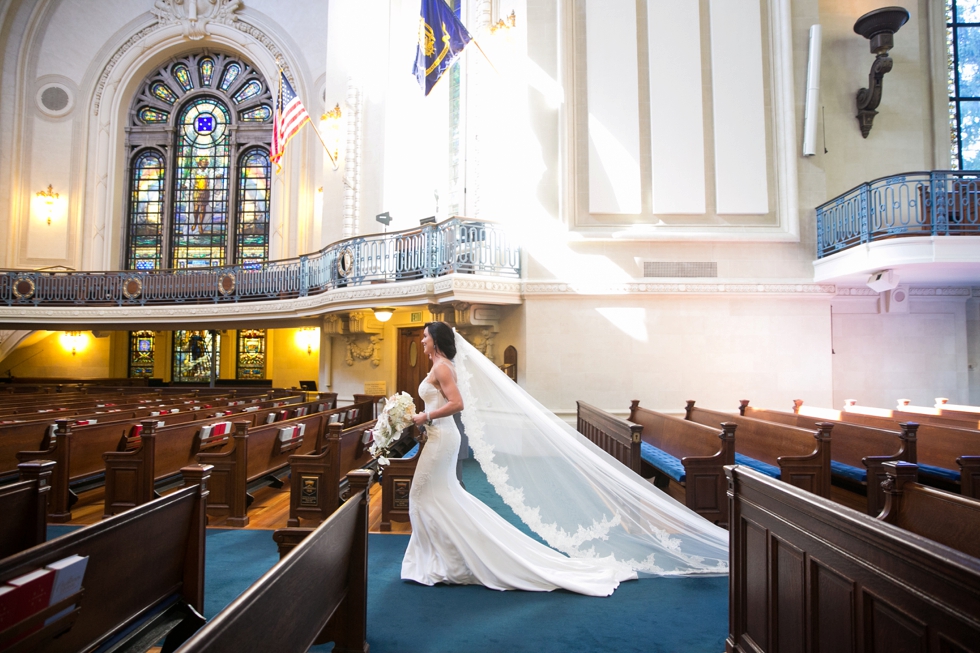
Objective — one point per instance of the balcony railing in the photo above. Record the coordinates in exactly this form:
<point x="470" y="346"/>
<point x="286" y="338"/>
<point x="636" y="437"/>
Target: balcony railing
<point x="454" y="246"/>
<point x="938" y="203"/>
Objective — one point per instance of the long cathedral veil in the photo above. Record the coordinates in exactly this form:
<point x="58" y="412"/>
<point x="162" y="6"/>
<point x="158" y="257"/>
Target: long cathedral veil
<point x="576" y="497"/>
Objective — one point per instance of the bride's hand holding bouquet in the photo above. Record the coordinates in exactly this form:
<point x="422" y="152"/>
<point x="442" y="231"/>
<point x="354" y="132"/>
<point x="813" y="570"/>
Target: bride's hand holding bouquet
<point x="395" y="417"/>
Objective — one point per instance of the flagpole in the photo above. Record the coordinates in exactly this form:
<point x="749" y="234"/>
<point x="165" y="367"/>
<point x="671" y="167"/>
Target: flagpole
<point x="477" y="44"/>
<point x="336" y="166"/>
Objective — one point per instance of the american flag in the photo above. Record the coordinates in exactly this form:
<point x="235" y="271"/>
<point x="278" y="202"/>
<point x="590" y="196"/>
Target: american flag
<point x="290" y="117"/>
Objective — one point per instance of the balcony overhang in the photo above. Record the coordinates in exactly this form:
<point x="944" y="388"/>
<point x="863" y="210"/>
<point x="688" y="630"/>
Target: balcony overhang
<point x="942" y="260"/>
<point x="297" y="311"/>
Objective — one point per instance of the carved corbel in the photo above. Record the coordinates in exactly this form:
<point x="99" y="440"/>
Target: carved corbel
<point x="364" y="322"/>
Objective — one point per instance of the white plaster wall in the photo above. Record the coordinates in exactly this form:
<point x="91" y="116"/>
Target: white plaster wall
<point x="668" y="349"/>
<point x="880" y="358"/>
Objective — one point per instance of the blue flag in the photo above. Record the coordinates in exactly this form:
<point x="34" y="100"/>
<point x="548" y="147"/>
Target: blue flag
<point x="441" y="39"/>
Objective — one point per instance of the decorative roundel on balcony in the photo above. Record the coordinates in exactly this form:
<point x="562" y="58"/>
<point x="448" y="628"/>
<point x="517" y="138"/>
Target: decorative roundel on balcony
<point x="345" y="262"/>
<point x="226" y="283"/>
<point x="23" y="288"/>
<point x="132" y="288"/>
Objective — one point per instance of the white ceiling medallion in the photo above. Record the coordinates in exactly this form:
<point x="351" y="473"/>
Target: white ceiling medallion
<point x="193" y="16"/>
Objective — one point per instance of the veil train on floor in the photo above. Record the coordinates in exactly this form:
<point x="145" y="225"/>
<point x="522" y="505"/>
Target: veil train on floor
<point x="576" y="497"/>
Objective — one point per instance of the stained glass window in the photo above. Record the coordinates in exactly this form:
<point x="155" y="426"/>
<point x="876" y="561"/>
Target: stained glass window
<point x="251" y="354"/>
<point x="183" y="76"/>
<point x="200" y="228"/>
<point x="146" y="211"/>
<point x="252" y="230"/>
<point x="232" y="71"/>
<point x="963" y="48"/>
<point x="153" y="116"/>
<point x="142" y="346"/>
<point x="163" y="92"/>
<point x="250" y="90"/>
<point x="258" y="114"/>
<point x="207" y="71"/>
<point x="192" y="355"/>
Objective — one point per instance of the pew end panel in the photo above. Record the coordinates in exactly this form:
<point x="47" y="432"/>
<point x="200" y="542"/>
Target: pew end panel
<point x="808" y="574"/>
<point x="24" y="507"/>
<point x="615" y="436"/>
<point x="229" y="473"/>
<point x="316" y="593"/>
<point x="161" y="544"/>
<point x="396" y="487"/>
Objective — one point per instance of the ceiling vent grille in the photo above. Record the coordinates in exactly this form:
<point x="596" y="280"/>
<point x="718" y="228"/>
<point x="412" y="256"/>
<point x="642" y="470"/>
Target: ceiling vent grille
<point x="673" y="269"/>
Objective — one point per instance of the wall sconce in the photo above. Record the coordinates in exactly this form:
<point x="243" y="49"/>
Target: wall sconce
<point x="500" y="24"/>
<point x="73" y="341"/>
<point x="308" y="339"/>
<point x="45" y="201"/>
<point x="879" y="26"/>
<point x="383" y="314"/>
<point x="330" y="129"/>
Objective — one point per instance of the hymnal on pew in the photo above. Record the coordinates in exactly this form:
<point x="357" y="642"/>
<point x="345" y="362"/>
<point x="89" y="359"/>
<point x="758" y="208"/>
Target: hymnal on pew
<point x="68" y="575"/>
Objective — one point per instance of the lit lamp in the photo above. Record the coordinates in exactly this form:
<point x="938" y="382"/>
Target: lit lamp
<point x="330" y="127"/>
<point x="383" y="314"/>
<point x="308" y="339"/>
<point x="73" y="341"/>
<point x="45" y="203"/>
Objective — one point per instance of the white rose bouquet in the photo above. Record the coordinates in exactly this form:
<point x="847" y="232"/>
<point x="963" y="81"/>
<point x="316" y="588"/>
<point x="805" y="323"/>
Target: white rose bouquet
<point x="395" y="417"/>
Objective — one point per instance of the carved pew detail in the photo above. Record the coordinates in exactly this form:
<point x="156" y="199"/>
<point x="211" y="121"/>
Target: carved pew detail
<point x="396" y="486"/>
<point x="24" y="506"/>
<point x="319" y="585"/>
<point x="60" y="498"/>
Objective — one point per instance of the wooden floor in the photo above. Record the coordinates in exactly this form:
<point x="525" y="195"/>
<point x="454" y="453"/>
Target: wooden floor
<point x="269" y="511"/>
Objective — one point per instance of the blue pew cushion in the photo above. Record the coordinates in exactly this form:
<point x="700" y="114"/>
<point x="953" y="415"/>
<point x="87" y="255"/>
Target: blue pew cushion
<point x="940" y="472"/>
<point x="757" y="465"/>
<point x="848" y="472"/>
<point x="411" y="452"/>
<point x="669" y="465"/>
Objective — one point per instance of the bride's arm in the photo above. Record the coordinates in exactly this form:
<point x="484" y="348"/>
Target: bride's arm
<point x="447" y="385"/>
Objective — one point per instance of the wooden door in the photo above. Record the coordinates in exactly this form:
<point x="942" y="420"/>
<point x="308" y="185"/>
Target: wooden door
<point x="413" y="365"/>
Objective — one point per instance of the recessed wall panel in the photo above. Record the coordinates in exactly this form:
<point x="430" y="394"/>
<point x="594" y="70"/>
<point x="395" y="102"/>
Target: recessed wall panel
<point x="738" y="103"/>
<point x="613" y="105"/>
<point x="676" y="111"/>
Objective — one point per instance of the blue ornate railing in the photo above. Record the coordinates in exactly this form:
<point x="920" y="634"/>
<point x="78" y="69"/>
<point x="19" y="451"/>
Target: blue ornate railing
<point x="937" y="203"/>
<point x="456" y="245"/>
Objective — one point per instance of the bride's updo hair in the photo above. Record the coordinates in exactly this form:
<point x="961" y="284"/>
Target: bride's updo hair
<point x="442" y="336"/>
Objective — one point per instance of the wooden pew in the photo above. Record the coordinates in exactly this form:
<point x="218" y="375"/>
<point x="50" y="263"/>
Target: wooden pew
<point x="883" y="417"/>
<point x="615" y="436"/>
<point x="396" y="486"/>
<point x="160" y="453"/>
<point x="943" y="517"/>
<point x="808" y="574"/>
<point x="317" y="593"/>
<point x="144" y="580"/>
<point x="253" y="454"/>
<point x="688" y="459"/>
<point x="948" y="457"/>
<point x="316" y="478"/>
<point x="859" y="452"/>
<point x="797" y="456"/>
<point x="24" y="506"/>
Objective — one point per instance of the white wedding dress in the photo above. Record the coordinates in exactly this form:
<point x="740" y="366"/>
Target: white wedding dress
<point x="580" y="500"/>
<point x="458" y="539"/>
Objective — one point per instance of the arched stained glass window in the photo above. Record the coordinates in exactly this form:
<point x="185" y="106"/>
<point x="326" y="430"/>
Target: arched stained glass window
<point x="232" y="71"/>
<point x="146" y="211"/>
<point x="210" y="202"/>
<point x="193" y="351"/>
<point x="142" y="349"/>
<point x="206" y="66"/>
<point x="183" y="76"/>
<point x="250" y="363"/>
<point x="163" y="92"/>
<point x="201" y="189"/>
<point x="254" y="191"/>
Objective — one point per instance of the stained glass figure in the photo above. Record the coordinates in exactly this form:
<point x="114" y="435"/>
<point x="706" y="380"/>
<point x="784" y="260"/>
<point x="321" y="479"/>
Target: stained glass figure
<point x="232" y="71"/>
<point x="201" y="199"/>
<point x="192" y="356"/>
<point x="258" y="114"/>
<point x="163" y="92"/>
<point x="251" y="354"/>
<point x="142" y="348"/>
<point x="146" y="211"/>
<point x="254" y="187"/>
<point x="183" y="76"/>
<point x="153" y="116"/>
<point x="250" y="90"/>
<point x="206" y="68"/>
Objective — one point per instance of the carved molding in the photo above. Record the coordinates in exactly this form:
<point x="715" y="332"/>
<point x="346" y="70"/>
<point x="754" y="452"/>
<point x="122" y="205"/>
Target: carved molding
<point x="371" y="351"/>
<point x="193" y="16"/>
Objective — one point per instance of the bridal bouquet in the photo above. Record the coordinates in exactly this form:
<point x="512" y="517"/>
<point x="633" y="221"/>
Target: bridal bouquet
<point x="395" y="417"/>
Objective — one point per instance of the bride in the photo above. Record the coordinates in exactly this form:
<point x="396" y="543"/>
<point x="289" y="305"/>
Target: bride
<point x="609" y="523"/>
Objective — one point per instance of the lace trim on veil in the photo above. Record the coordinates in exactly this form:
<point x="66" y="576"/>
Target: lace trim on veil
<point x="558" y="538"/>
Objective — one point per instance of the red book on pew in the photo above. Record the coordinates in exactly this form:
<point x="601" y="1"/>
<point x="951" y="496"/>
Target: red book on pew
<point x="23" y="596"/>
